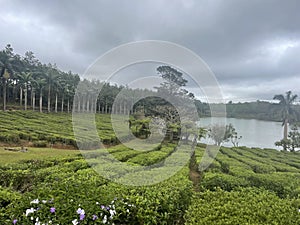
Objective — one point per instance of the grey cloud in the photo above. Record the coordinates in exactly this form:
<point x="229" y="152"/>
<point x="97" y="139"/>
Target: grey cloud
<point x="232" y="36"/>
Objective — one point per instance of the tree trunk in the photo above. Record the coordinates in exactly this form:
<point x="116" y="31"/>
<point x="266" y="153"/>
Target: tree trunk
<point x="49" y="98"/>
<point x="33" y="99"/>
<point x="62" y="103"/>
<point x="78" y="106"/>
<point x="88" y="104"/>
<point x="285" y="129"/>
<point x="68" y="105"/>
<point x="41" y="101"/>
<point x="25" y="98"/>
<point x="56" y="102"/>
<point x="21" y="96"/>
<point x="4" y="95"/>
<point x="285" y="133"/>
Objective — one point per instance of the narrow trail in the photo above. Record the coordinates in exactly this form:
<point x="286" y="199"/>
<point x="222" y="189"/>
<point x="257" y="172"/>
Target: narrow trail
<point x="195" y="175"/>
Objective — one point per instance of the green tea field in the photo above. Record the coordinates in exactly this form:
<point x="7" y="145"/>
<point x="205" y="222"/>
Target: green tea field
<point x="241" y="186"/>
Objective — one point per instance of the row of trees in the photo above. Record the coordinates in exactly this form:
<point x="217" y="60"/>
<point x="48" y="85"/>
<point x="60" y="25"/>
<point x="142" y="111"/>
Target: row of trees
<point x="24" y="79"/>
<point x="26" y="83"/>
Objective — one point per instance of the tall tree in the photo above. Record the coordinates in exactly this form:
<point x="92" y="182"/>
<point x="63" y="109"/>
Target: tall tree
<point x="51" y="76"/>
<point x="6" y="70"/>
<point x="287" y="111"/>
<point x="24" y="80"/>
<point x="173" y="80"/>
<point x="39" y="85"/>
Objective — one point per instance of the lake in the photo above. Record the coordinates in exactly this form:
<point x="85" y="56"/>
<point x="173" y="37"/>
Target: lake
<point x="255" y="133"/>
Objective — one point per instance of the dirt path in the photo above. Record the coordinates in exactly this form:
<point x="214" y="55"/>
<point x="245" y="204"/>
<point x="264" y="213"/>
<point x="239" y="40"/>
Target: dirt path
<point x="195" y="175"/>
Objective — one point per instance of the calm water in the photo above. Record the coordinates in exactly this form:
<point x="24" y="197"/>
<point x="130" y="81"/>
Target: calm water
<point x="255" y="133"/>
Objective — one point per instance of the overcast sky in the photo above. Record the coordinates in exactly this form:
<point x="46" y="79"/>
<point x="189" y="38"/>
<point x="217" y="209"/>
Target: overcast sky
<point x="253" y="47"/>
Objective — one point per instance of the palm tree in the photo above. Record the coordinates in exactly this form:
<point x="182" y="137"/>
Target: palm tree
<point x="287" y="111"/>
<point x="6" y="59"/>
<point x="39" y="84"/>
<point x="24" y="81"/>
<point x="51" y="76"/>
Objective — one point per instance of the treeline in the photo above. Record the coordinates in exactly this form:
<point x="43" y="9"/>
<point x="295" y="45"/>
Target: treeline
<point x="28" y="84"/>
<point x="260" y="110"/>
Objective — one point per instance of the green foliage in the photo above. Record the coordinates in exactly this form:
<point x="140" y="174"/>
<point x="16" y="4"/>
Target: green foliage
<point x="220" y="133"/>
<point x="244" y="206"/>
<point x="248" y="110"/>
<point x="7" y="196"/>
<point x="43" y="129"/>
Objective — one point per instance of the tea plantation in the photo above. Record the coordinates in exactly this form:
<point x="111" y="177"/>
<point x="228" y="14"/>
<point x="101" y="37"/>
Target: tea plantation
<point x="42" y="129"/>
<point x="241" y="186"/>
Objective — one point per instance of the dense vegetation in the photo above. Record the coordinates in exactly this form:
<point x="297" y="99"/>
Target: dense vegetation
<point x="260" y="110"/>
<point x="41" y="130"/>
<point x="242" y="186"/>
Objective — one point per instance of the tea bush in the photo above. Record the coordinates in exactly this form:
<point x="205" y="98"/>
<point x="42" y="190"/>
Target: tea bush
<point x="244" y="206"/>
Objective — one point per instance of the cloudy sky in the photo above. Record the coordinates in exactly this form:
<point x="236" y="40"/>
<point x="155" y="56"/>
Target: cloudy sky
<point x="253" y="47"/>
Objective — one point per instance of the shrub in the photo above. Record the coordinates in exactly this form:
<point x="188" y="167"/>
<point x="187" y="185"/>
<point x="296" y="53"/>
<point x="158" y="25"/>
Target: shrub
<point x="244" y="206"/>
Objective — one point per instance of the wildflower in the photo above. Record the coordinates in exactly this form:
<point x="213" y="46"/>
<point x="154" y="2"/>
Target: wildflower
<point x="104" y="219"/>
<point x="28" y="211"/>
<point x="95" y="217"/>
<point x="81" y="217"/>
<point x="112" y="212"/>
<point x="44" y="201"/>
<point x="75" y="222"/>
<point x="35" y="201"/>
<point x="15" y="221"/>
<point x="102" y="207"/>
<point x="80" y="211"/>
<point x="52" y="210"/>
<point x="97" y="203"/>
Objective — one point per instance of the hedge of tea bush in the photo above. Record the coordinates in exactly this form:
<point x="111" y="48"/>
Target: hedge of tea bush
<point x="243" y="206"/>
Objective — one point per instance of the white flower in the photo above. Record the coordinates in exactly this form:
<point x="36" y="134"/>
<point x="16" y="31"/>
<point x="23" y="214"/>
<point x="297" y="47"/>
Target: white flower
<point x="97" y="203"/>
<point x="44" y="201"/>
<point x="80" y="211"/>
<point x="127" y="210"/>
<point x="112" y="212"/>
<point x="31" y="218"/>
<point x="35" y="201"/>
<point x="75" y="222"/>
<point x="28" y="211"/>
<point x="37" y="223"/>
<point x="104" y="219"/>
<point x="37" y="219"/>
